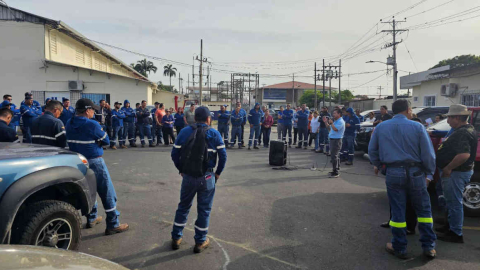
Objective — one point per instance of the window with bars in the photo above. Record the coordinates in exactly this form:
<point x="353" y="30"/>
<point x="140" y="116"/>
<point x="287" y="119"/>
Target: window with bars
<point x="471" y="100"/>
<point x="429" y="101"/>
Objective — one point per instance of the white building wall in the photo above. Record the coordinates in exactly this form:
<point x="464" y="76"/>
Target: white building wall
<point x="22" y="50"/>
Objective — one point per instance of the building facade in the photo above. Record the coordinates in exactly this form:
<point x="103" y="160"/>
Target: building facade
<point x="280" y="94"/>
<point x="52" y="60"/>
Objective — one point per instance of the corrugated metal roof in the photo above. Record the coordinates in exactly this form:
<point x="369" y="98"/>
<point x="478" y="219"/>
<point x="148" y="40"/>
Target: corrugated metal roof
<point x="416" y="79"/>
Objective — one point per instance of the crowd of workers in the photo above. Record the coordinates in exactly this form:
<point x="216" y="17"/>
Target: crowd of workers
<point x="400" y="148"/>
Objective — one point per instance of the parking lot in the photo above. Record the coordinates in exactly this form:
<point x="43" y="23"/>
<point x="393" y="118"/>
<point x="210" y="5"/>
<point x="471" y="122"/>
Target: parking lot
<point x="263" y="218"/>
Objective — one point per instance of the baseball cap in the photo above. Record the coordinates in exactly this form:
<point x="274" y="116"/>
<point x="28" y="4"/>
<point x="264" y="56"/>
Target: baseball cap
<point x="201" y="114"/>
<point x="85" y="103"/>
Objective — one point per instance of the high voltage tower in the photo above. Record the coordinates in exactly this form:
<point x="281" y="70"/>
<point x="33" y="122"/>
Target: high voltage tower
<point x="328" y="74"/>
<point x="241" y="83"/>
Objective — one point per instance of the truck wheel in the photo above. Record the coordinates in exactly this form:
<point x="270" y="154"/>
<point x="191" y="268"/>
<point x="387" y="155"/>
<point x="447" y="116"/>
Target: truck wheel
<point x="471" y="199"/>
<point x="51" y="223"/>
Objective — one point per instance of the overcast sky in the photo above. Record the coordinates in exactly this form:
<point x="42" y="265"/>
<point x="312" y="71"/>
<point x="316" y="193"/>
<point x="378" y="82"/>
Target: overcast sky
<point x="269" y="31"/>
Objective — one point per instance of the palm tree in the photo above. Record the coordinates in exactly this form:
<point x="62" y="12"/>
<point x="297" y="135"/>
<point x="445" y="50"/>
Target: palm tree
<point x="143" y="66"/>
<point x="170" y="71"/>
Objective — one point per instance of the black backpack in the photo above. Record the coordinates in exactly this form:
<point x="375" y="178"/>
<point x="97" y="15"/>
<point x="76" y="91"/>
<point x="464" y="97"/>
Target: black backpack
<point x="194" y="153"/>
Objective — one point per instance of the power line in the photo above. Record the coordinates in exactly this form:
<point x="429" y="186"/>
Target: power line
<point x="406" y="9"/>
<point x="367" y="82"/>
<point x="461" y="20"/>
<point x="410" y="56"/>
<point x="446" y="18"/>
<point x="425" y="11"/>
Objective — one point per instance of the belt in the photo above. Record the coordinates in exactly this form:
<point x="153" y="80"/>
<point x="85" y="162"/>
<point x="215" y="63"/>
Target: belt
<point x="403" y="164"/>
<point x="210" y="170"/>
<point x="333" y="139"/>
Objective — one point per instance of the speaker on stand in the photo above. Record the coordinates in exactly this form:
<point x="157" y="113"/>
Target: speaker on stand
<point x="278" y="153"/>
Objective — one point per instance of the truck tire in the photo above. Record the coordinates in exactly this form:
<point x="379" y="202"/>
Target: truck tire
<point x="50" y="223"/>
<point x="471" y="200"/>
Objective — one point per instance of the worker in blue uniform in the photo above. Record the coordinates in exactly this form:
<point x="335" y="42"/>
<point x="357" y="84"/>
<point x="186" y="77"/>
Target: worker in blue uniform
<point x="15" y="122"/>
<point x="360" y="117"/>
<point x="48" y="129"/>
<point x="46" y="103"/>
<point x="404" y="147"/>
<point x="68" y="111"/>
<point x="344" y="150"/>
<point x="255" y="119"/>
<point x="351" y="128"/>
<point x="224" y="123"/>
<point x="7" y="134"/>
<point x="202" y="186"/>
<point x="237" y="119"/>
<point x="287" y="124"/>
<point x="129" y="124"/>
<point x="85" y="136"/>
<point x="117" y="127"/>
<point x="302" y="124"/>
<point x="29" y="113"/>
<point x="239" y="105"/>
<point x="144" y="120"/>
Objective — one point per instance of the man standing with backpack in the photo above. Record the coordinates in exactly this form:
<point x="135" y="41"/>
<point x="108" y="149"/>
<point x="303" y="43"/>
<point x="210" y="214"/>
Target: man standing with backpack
<point x="195" y="156"/>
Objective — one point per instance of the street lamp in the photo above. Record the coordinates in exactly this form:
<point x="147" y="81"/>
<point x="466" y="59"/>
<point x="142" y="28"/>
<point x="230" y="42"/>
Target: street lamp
<point x="390" y="62"/>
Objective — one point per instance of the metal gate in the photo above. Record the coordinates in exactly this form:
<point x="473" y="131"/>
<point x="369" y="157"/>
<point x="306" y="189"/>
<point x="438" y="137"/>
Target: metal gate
<point x="97" y="97"/>
<point x="39" y="96"/>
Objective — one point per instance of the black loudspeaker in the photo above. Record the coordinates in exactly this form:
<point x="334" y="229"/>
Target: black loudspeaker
<point x="278" y="153"/>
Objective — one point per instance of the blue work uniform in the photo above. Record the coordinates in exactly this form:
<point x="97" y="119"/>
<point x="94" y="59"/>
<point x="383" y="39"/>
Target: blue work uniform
<point x="361" y="118"/>
<point x="7" y="134"/>
<point x="255" y="118"/>
<point x="86" y="137"/>
<point x="280" y="125"/>
<point x="29" y="113"/>
<point x="242" y="126"/>
<point x="344" y="150"/>
<point x="129" y="124"/>
<point x="288" y="122"/>
<point x="405" y="148"/>
<point x="67" y="113"/>
<point x="15" y="122"/>
<point x="224" y="124"/>
<point x="143" y="121"/>
<point x="350" y="135"/>
<point x="117" y="127"/>
<point x="302" y="124"/>
<point x="48" y="130"/>
<point x="237" y="119"/>
<point x="323" y="132"/>
<point x="167" y="128"/>
<point x="179" y="122"/>
<point x="203" y="187"/>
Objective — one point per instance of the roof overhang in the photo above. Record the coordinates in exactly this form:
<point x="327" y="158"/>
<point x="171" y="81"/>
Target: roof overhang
<point x="416" y="79"/>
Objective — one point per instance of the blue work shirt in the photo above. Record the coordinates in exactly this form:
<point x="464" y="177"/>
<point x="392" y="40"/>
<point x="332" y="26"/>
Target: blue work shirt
<point x="354" y="125"/>
<point x="67" y="113"/>
<point x="340" y="125"/>
<point x="167" y="118"/>
<point x="280" y="114"/>
<point x="179" y="121"/>
<point x="129" y="114"/>
<point x="215" y="147"/>
<point x="302" y="117"/>
<point x="117" y="118"/>
<point x="288" y="116"/>
<point x="16" y="114"/>
<point x="29" y="113"/>
<point x="237" y="119"/>
<point x="86" y="136"/>
<point x="401" y="140"/>
<point x="223" y="117"/>
<point x="361" y="118"/>
<point x="255" y="117"/>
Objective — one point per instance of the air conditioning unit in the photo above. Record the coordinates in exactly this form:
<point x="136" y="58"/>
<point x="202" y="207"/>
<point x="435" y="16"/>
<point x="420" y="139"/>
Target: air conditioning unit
<point x="75" y="85"/>
<point x="449" y="90"/>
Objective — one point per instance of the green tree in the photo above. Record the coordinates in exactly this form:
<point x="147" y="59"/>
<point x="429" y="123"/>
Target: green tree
<point x="459" y="61"/>
<point x="308" y="97"/>
<point x="170" y="71"/>
<point x="143" y="66"/>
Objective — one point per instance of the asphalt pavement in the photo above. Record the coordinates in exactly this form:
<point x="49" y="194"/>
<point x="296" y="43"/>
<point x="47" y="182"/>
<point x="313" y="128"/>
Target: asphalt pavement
<point x="263" y="218"/>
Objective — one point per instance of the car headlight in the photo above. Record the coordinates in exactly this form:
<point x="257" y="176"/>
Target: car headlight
<point x="83" y="159"/>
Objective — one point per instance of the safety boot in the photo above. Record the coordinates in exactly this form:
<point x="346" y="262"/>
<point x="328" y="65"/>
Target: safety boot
<point x="431" y="254"/>
<point x="113" y="147"/>
<point x="201" y="247"/>
<point x="121" y="228"/>
<point x="389" y="249"/>
<point x="93" y="223"/>
<point x="124" y="146"/>
<point x="176" y="243"/>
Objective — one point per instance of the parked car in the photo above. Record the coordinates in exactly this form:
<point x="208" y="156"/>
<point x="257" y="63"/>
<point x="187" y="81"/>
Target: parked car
<point x="471" y="195"/>
<point x="366" y="128"/>
<point x="41" y="190"/>
<point x="29" y="257"/>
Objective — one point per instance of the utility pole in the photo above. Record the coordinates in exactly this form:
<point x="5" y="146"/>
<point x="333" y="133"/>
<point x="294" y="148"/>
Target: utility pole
<point x="249" y="101"/>
<point x="315" y="79"/>
<point x="179" y="79"/>
<point x="339" y="81"/>
<point x="188" y="82"/>
<point x="330" y="91"/>
<point x="394" y="46"/>
<point x="380" y="93"/>
<point x="201" y="66"/>
<point x="323" y="79"/>
<point x="293" y="90"/>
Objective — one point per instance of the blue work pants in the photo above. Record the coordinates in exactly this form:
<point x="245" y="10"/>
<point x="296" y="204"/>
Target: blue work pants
<point x="204" y="188"/>
<point x="27" y="135"/>
<point x="236" y="134"/>
<point x="145" y="129"/>
<point x="350" y="148"/>
<point x="106" y="191"/>
<point x="400" y="181"/>
<point x="285" y="129"/>
<point x="254" y="135"/>
<point x="453" y="187"/>
<point x="117" y="133"/>
<point x="323" y="139"/>
<point x="223" y="129"/>
<point x="302" y="136"/>
<point x="129" y="132"/>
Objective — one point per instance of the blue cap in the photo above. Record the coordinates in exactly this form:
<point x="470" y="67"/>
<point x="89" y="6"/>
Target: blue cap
<point x="201" y="114"/>
<point x="5" y="103"/>
<point x="65" y="99"/>
<point x="350" y="110"/>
